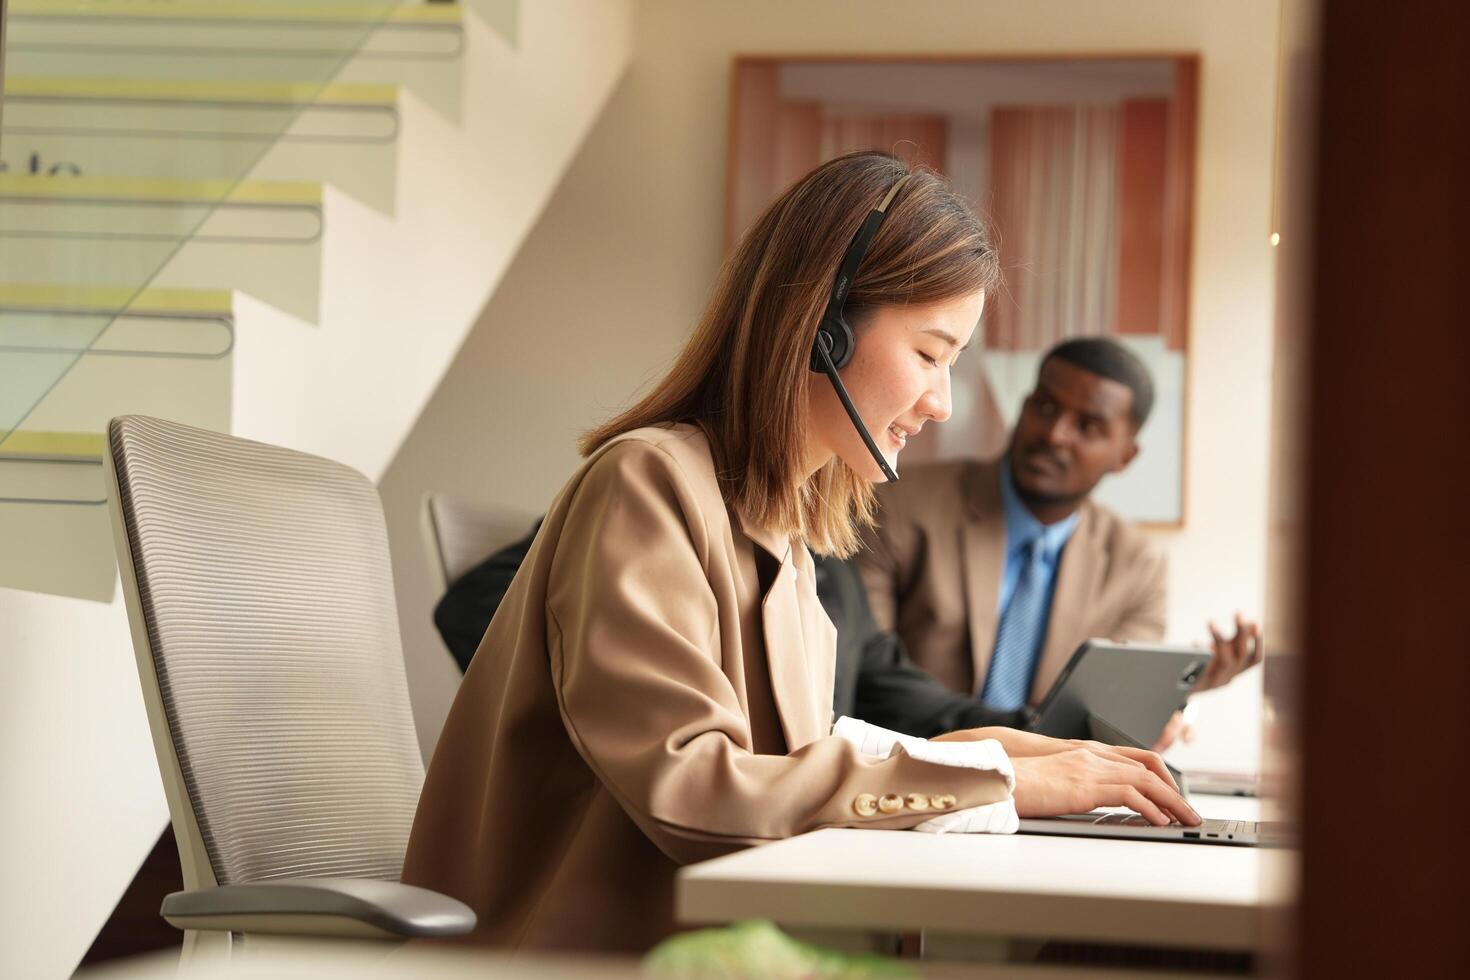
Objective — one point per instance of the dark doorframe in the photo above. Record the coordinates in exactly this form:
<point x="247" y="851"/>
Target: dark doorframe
<point x="1386" y="576"/>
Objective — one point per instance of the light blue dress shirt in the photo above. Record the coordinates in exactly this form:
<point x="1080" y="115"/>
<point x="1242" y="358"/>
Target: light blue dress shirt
<point x="1022" y="528"/>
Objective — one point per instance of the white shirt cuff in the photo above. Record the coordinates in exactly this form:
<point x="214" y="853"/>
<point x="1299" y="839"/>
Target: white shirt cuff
<point x="880" y="743"/>
<point x="985" y="755"/>
<point x="992" y="818"/>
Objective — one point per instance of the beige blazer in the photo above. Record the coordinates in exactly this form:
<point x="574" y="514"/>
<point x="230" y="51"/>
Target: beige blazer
<point x="641" y="700"/>
<point x="933" y="569"/>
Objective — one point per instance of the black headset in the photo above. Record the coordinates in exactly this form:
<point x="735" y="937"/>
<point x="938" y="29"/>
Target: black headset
<point x="835" y="342"/>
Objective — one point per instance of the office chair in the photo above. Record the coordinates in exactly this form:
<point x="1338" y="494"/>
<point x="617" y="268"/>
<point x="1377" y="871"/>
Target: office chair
<point x="459" y="533"/>
<point x="260" y="595"/>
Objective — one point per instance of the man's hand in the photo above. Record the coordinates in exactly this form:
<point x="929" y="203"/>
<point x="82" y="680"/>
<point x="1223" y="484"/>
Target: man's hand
<point x="1176" y="728"/>
<point x="1231" y="656"/>
<point x="1081" y="779"/>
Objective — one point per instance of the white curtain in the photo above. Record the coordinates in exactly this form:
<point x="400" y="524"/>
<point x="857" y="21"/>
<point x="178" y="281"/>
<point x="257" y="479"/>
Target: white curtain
<point x="1054" y="173"/>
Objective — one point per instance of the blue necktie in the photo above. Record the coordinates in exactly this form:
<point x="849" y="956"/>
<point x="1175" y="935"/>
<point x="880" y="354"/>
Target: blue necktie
<point x="1008" y="680"/>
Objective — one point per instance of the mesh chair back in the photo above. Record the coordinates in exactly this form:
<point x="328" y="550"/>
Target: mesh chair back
<point x="263" y="587"/>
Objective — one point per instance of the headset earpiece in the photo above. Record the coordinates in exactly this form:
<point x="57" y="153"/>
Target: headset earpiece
<point x="838" y="339"/>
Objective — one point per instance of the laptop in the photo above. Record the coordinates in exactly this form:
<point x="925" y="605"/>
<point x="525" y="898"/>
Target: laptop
<point x="1126" y="825"/>
<point x="1221" y="782"/>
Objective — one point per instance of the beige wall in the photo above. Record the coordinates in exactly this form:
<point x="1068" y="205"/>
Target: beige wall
<point x="612" y="278"/>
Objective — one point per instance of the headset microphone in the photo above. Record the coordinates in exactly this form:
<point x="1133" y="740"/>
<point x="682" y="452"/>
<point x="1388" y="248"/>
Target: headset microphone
<point x="823" y="352"/>
<point x="834" y="343"/>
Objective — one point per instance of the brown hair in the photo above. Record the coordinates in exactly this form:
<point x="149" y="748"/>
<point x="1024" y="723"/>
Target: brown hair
<point x="743" y="376"/>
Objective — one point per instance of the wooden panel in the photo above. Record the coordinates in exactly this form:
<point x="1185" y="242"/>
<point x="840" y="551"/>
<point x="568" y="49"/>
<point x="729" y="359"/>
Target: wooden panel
<point x="798" y="144"/>
<point x="1386" y="574"/>
<point x="1142" y="152"/>
<point x="754" y="108"/>
<point x="1010" y="180"/>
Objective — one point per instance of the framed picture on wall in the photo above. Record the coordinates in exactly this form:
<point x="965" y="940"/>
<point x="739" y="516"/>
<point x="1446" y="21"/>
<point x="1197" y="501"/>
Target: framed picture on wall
<point x="1084" y="167"/>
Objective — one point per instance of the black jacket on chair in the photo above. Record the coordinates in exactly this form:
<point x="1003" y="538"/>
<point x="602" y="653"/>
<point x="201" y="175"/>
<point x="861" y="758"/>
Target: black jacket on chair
<point x="875" y="679"/>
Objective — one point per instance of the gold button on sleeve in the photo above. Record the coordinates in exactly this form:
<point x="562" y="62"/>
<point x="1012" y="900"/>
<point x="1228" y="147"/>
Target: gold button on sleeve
<point x="890" y="803"/>
<point x="917" y="802"/>
<point x="865" y="805"/>
<point x="942" y="801"/>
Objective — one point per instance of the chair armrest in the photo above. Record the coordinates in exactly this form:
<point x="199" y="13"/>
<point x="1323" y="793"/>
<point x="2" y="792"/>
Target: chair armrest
<point x="361" y="907"/>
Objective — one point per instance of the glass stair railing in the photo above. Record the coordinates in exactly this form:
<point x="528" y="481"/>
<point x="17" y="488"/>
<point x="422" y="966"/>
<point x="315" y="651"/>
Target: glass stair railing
<point x="262" y="236"/>
<point x="156" y="157"/>
<point x="416" y="44"/>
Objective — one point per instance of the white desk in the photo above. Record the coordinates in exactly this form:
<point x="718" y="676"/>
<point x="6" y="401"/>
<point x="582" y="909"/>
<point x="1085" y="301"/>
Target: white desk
<point x="1000" y="886"/>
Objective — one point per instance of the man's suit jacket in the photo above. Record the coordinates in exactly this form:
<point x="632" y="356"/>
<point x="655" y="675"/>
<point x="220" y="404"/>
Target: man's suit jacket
<point x="876" y="681"/>
<point x="655" y="689"/>
<point x="933" y="567"/>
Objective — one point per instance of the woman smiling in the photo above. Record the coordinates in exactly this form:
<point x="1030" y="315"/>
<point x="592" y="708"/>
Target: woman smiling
<point x="656" y="686"/>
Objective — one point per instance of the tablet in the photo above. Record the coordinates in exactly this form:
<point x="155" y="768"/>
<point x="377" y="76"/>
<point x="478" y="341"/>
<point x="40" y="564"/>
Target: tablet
<point x="1130" y="687"/>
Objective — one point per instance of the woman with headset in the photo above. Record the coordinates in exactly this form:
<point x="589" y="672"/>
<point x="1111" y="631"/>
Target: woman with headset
<point x="656" y="686"/>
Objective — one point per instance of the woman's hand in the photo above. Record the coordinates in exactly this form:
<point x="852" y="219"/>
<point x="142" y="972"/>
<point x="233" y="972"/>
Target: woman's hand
<point x="1089" y="776"/>
<point x="1019" y="744"/>
<point x="1060" y="775"/>
<point x="1013" y="740"/>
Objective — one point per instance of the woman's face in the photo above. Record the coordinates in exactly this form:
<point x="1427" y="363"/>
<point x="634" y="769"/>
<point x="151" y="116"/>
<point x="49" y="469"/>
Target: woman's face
<point x="898" y="379"/>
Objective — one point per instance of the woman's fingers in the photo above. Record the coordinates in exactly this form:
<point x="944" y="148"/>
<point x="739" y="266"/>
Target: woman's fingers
<point x="1118" y="759"/>
<point x="1151" y="761"/>
<point x="1112" y="755"/>
<point x="1165" y="798"/>
<point x="1160" y="794"/>
<point x="1140" y="758"/>
<point x="1130" y="797"/>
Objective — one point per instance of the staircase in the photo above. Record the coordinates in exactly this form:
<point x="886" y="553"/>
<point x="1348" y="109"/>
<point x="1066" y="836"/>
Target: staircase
<point x="354" y="174"/>
<point x="277" y="218"/>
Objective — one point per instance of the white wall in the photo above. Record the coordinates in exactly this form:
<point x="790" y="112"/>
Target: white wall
<point x="968" y="166"/>
<point x="81" y="802"/>
<point x="400" y="290"/>
<point x="610" y="282"/>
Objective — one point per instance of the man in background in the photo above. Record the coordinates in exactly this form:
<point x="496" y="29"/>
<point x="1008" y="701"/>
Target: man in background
<point x="993" y="573"/>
